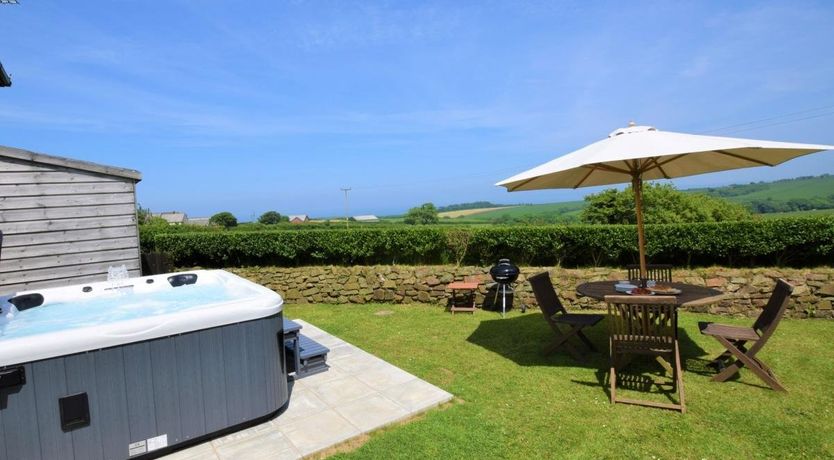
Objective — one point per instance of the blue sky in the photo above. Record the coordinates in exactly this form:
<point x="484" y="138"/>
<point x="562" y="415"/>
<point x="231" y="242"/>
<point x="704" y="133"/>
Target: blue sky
<point x="260" y="105"/>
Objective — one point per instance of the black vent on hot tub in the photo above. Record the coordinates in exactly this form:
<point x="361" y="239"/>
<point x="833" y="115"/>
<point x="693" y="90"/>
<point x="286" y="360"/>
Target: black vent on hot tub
<point x="182" y="279"/>
<point x="12" y="377"/>
<point x="75" y="411"/>
<point x="26" y="301"/>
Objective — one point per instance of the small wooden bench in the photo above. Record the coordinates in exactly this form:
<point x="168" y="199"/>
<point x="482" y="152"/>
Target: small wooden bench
<point x="304" y="355"/>
<point x="308" y="357"/>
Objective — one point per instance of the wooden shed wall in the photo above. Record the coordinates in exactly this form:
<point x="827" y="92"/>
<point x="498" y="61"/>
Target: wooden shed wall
<point x="64" y="226"/>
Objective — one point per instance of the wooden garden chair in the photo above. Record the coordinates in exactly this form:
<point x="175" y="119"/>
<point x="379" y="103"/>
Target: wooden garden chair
<point x="658" y="272"/>
<point x="555" y="314"/>
<point x="735" y="339"/>
<point x="644" y="325"/>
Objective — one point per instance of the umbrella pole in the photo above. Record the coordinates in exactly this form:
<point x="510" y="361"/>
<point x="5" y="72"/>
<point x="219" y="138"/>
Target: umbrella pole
<point x="637" y="188"/>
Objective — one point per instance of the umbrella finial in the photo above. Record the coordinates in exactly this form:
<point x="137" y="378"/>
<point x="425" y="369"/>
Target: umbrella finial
<point x="631" y="123"/>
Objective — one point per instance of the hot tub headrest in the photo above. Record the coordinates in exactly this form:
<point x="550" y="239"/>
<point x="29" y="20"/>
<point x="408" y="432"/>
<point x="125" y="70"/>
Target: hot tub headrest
<point x="26" y="301"/>
<point x="182" y="279"/>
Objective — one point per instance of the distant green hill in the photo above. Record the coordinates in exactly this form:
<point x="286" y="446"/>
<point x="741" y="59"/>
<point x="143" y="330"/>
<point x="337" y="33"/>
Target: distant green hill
<point x="567" y="211"/>
<point x="787" y="195"/>
<point x="799" y="196"/>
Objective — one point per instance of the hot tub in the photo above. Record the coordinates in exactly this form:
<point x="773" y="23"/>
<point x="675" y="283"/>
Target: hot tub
<point x="137" y="368"/>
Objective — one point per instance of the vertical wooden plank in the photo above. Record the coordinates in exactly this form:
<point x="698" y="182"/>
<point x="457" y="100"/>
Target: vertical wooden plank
<point x="136" y="226"/>
<point x="189" y="376"/>
<point x="280" y="370"/>
<point x="213" y="379"/>
<point x="141" y="414"/>
<point x="81" y="377"/>
<point x="269" y="341"/>
<point x="49" y="380"/>
<point x="256" y="372"/>
<point x="20" y="422"/>
<point x="112" y="405"/>
<point x="234" y="363"/>
<point x="166" y="396"/>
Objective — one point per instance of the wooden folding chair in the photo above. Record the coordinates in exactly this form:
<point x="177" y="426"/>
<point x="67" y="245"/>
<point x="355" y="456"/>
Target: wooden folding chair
<point x="555" y="314"/>
<point x="735" y="339"/>
<point x="657" y="272"/>
<point x="644" y="325"/>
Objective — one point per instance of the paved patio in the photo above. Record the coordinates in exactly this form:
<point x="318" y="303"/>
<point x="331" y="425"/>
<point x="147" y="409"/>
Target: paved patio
<point x="358" y="394"/>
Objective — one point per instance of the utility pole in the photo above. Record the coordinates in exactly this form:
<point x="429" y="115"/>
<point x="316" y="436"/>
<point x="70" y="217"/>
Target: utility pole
<point x="347" y="207"/>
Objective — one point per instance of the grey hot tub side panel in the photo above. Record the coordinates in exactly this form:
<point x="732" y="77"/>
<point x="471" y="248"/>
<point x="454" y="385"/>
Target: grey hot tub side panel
<point x="186" y="386"/>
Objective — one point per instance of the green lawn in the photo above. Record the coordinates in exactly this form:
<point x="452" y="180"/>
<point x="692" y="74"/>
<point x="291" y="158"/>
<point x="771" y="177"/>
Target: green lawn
<point x="512" y="402"/>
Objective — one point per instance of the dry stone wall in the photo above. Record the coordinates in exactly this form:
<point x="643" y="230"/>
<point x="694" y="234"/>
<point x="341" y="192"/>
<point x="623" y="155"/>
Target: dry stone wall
<point x="747" y="289"/>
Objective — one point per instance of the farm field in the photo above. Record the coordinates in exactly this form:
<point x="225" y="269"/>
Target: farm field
<point x="781" y="190"/>
<point x="471" y="212"/>
<point x="566" y="211"/>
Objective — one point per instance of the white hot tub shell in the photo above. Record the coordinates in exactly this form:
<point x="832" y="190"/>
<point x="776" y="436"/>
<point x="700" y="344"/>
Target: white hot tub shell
<point x="173" y="362"/>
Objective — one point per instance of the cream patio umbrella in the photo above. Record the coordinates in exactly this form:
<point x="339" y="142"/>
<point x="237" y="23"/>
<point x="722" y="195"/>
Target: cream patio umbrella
<point x="639" y="153"/>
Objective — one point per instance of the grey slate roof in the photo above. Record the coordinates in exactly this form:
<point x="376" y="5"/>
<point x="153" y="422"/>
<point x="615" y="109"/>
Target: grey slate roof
<point x="174" y="217"/>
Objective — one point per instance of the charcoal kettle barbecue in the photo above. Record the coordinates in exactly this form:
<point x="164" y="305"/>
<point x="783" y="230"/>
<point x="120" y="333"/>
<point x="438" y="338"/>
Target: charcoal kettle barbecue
<point x="504" y="273"/>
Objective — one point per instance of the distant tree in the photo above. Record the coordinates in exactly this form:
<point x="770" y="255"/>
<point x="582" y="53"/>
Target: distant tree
<point x="424" y="214"/>
<point x="155" y="221"/>
<point x="224" y="219"/>
<point x="662" y="204"/>
<point x="270" y="218"/>
<point x="143" y="215"/>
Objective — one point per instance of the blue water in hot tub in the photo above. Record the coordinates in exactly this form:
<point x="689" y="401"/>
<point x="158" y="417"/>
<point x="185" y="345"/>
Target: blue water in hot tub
<point x="113" y="307"/>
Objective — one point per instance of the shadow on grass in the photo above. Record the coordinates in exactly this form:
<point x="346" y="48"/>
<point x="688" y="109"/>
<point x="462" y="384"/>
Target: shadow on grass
<point x="522" y="338"/>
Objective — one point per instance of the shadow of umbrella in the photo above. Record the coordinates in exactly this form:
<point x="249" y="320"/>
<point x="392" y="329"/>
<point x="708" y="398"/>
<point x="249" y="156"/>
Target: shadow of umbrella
<point x="522" y="338"/>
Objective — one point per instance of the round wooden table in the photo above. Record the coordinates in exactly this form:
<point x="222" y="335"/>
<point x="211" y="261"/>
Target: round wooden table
<point x="692" y="296"/>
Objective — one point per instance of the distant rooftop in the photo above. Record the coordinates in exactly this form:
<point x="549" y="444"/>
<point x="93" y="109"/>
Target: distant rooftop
<point x="366" y="218"/>
<point x="204" y="221"/>
<point x="173" y="217"/>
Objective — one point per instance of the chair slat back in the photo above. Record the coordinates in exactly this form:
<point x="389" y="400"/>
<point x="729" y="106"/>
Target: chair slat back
<point x="644" y="316"/>
<point x="657" y="272"/>
<point x="546" y="297"/>
<point x="774" y="310"/>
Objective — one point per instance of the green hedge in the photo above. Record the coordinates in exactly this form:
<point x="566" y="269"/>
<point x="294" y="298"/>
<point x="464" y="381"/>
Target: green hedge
<point x="788" y="241"/>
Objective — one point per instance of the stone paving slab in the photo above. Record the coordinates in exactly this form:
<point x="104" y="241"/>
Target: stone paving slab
<point x="360" y="393"/>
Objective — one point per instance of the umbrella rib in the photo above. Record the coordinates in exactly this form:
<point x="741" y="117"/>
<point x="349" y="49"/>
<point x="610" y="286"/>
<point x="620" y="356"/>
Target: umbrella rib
<point x="609" y="168"/>
<point x="522" y="184"/>
<point x="671" y="159"/>
<point x="742" y="157"/>
<point x="656" y="165"/>
<point x="585" y="177"/>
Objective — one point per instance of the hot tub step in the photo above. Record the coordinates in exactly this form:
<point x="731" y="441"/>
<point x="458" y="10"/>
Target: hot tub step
<point x="306" y="356"/>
